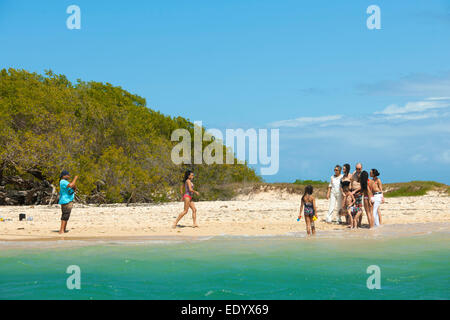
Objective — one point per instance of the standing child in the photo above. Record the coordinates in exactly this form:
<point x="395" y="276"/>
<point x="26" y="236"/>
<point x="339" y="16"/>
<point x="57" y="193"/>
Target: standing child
<point x="353" y="212"/>
<point x="309" y="204"/>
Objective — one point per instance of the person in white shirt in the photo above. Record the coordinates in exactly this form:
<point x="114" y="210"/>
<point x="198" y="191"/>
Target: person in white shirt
<point x="334" y="194"/>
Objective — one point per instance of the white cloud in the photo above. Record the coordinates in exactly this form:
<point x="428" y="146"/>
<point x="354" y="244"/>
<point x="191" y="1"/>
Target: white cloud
<point x="412" y="111"/>
<point x="439" y="98"/>
<point x="418" y="158"/>
<point x="389" y="129"/>
<point x="304" y="121"/>
<point x="416" y="106"/>
<point x="418" y="84"/>
<point x="420" y="116"/>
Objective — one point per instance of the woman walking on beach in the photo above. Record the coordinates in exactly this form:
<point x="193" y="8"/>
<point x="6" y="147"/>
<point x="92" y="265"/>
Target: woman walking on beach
<point x="187" y="198"/>
<point x="367" y="193"/>
<point x="377" y="199"/>
<point x="66" y="196"/>
<point x="308" y="203"/>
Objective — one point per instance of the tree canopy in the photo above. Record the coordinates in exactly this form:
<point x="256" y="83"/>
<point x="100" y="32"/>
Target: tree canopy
<point x="120" y="148"/>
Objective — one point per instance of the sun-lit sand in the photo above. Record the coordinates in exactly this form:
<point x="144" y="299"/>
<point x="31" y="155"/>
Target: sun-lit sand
<point x="266" y="213"/>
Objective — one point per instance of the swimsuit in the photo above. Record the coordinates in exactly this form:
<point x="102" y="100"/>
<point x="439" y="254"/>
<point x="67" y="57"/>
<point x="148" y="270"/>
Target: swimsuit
<point x="353" y="210"/>
<point x="188" y="193"/>
<point x="309" y="209"/>
<point x="366" y="195"/>
<point x="344" y="180"/>
<point x="358" y="200"/>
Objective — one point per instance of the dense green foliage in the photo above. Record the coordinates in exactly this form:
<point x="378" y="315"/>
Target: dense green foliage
<point x="414" y="188"/>
<point x="109" y="137"/>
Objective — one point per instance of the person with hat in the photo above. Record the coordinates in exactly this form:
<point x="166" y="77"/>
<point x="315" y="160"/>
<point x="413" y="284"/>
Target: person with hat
<point x="66" y="196"/>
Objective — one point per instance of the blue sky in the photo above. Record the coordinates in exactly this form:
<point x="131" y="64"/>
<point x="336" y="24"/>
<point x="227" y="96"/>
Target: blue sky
<point x="337" y="91"/>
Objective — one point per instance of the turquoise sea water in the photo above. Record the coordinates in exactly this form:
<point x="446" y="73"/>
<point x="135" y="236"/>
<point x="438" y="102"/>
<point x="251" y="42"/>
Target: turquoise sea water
<point x="415" y="267"/>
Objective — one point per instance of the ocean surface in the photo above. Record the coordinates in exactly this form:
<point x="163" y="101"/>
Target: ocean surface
<point x="330" y="266"/>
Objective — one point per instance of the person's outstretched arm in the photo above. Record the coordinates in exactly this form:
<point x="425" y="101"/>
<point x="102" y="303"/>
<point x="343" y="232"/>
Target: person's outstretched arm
<point x="73" y="184"/>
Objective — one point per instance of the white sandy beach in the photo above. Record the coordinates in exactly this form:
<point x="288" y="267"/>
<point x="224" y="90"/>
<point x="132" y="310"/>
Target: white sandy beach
<point x="266" y="213"/>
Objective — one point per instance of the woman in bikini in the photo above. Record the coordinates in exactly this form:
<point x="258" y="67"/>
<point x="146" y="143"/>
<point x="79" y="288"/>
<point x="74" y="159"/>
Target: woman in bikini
<point x="346" y="175"/>
<point x="309" y="204"/>
<point x="187" y="198"/>
<point x="367" y="194"/>
<point x="377" y="199"/>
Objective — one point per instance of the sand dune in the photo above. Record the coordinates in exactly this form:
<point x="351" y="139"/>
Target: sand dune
<point x="266" y="213"/>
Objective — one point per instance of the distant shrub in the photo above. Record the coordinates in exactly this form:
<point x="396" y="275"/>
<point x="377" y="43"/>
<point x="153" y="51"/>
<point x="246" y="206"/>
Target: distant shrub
<point x="414" y="188"/>
<point x="311" y="182"/>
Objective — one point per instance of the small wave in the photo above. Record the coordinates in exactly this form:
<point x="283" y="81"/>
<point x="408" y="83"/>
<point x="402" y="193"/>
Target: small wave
<point x="222" y="292"/>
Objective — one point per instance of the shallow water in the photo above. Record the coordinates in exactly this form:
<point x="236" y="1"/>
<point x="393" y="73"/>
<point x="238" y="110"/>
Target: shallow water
<point x="289" y="267"/>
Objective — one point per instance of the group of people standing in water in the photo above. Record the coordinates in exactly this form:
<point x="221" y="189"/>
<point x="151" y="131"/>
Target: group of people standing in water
<point x="349" y="193"/>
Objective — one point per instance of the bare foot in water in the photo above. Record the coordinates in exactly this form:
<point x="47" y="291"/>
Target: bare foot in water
<point x="195" y="226"/>
<point x="174" y="226"/>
